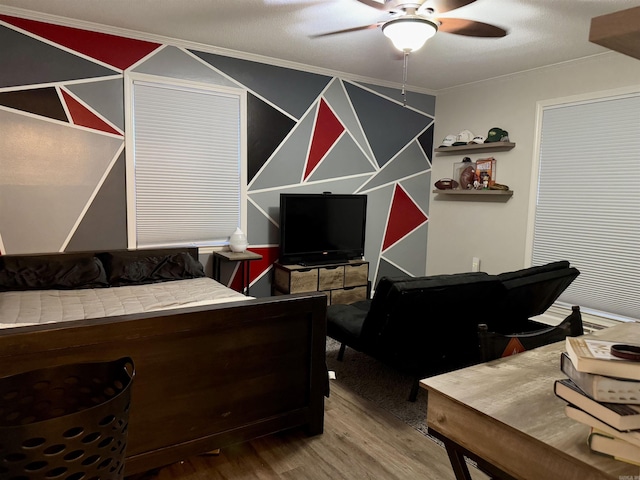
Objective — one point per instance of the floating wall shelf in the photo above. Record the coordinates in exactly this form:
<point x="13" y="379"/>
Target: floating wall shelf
<point x="475" y="148"/>
<point x="507" y="193"/>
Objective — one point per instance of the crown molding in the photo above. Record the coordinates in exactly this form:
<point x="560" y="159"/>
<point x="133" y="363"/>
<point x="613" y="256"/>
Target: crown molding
<point x="149" y="37"/>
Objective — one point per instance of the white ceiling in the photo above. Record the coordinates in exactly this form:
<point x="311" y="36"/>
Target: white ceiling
<point x="541" y="32"/>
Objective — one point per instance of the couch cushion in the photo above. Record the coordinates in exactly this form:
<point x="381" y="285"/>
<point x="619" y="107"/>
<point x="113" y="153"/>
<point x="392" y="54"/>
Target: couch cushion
<point x="344" y="323"/>
<point x="439" y="281"/>
<point x="531" y="295"/>
<point x="432" y="325"/>
<point x="398" y="283"/>
<point x="526" y="272"/>
<point x="430" y="322"/>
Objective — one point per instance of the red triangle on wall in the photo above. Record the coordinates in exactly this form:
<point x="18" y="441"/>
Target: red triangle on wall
<point x="81" y="115"/>
<point x="120" y="52"/>
<point x="405" y="216"/>
<point x="327" y="130"/>
<point x="257" y="267"/>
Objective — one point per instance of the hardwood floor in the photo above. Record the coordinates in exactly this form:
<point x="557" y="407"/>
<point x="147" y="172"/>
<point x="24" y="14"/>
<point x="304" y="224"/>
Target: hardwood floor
<point x="360" y="441"/>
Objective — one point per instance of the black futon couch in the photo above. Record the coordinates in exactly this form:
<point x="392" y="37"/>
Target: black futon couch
<point x="430" y="325"/>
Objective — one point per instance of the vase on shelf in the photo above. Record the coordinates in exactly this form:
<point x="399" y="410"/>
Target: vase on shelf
<point x="238" y="241"/>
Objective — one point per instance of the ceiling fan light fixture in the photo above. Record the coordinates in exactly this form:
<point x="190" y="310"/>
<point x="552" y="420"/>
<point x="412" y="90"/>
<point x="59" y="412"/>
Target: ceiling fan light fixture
<point x="409" y="33"/>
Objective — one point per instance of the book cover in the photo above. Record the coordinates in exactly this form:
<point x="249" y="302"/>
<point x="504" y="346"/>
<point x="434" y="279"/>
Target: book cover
<point x="613" y="447"/>
<point x="583" y="417"/>
<point x="486" y="172"/>
<point x="602" y="388"/>
<point x="617" y="415"/>
<point x="594" y="356"/>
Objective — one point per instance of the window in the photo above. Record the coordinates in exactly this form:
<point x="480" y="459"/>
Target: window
<point x="186" y="171"/>
<point x="587" y="206"/>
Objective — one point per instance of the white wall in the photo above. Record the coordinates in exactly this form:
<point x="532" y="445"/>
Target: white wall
<point x="463" y="228"/>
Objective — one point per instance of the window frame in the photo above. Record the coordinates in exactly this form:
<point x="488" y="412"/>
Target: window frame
<point x="170" y="82"/>
<point x="593" y="319"/>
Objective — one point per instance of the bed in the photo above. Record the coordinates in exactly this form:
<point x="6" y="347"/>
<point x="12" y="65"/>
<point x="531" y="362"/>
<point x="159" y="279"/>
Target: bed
<point x="208" y="375"/>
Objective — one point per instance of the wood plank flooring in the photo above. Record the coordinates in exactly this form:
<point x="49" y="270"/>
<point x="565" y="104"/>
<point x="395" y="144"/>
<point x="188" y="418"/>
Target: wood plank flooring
<point x="360" y="441"/>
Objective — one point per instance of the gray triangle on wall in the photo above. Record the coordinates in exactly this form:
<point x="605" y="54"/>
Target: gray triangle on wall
<point x="104" y="225"/>
<point x="302" y="88"/>
<point x="386" y="269"/>
<point x="418" y="187"/>
<point x="262" y="230"/>
<point x="286" y="165"/>
<point x="410" y="253"/>
<point x="173" y="62"/>
<point x="337" y="99"/>
<point x="389" y="127"/>
<point x="344" y="159"/>
<point x="104" y="96"/>
<point x="57" y="190"/>
<point x="421" y="101"/>
<point x="408" y="162"/>
<point x="378" y="207"/>
<point x="22" y="63"/>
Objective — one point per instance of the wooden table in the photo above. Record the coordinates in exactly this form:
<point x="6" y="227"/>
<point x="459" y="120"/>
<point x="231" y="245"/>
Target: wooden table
<point x="504" y="415"/>
<point x="243" y="257"/>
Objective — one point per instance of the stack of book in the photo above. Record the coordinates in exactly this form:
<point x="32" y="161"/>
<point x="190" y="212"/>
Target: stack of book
<point x="603" y="392"/>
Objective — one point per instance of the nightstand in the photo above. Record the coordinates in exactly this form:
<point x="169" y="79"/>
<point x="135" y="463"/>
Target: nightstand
<point x="245" y="258"/>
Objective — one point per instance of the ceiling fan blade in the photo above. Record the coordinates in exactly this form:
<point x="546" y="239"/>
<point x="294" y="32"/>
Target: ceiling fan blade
<point x="383" y="5"/>
<point x="347" y="30"/>
<point x="470" y="28"/>
<point x="441" y="6"/>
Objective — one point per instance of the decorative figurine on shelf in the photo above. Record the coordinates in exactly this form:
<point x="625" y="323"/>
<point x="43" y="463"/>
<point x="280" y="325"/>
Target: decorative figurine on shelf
<point x="484" y="177"/>
<point x="238" y="241"/>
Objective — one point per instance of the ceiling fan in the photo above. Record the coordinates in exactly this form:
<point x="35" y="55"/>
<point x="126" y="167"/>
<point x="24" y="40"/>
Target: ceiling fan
<point x="413" y="23"/>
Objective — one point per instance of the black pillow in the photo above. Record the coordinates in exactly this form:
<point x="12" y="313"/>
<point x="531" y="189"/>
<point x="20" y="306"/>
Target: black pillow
<point x="136" y="267"/>
<point x="48" y="272"/>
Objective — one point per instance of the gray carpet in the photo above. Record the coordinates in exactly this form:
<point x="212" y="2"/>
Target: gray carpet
<point x="378" y="383"/>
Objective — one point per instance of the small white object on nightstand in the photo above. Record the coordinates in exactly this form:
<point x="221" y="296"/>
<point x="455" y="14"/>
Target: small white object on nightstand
<point x="238" y="241"/>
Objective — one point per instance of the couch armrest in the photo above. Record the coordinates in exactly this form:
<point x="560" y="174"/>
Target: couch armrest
<point x="496" y="345"/>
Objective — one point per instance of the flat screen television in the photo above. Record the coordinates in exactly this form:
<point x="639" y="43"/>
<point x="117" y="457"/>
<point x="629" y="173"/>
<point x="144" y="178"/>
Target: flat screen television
<point x="321" y="228"/>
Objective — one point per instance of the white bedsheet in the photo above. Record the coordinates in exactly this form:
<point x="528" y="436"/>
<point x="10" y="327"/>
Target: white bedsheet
<point x="35" y="307"/>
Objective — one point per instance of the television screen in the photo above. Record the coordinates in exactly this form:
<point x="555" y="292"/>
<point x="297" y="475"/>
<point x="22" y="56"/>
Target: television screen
<point x="321" y="228"/>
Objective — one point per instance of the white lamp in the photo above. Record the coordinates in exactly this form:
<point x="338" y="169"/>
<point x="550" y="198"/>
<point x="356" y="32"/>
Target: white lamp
<point x="410" y="32"/>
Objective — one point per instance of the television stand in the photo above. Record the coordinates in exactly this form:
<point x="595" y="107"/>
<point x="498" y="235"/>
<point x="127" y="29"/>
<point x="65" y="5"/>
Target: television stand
<point x="343" y="282"/>
<point x="320" y="263"/>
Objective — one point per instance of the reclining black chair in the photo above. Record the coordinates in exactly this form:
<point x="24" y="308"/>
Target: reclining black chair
<point x="422" y="326"/>
<point x="429" y="325"/>
<point x="530" y="292"/>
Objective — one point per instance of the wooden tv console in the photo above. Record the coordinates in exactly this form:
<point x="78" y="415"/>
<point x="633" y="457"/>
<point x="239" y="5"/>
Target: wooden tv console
<point x="343" y="283"/>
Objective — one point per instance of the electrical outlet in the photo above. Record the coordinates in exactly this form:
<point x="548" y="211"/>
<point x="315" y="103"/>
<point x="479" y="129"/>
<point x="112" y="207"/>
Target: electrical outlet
<point x="475" y="264"/>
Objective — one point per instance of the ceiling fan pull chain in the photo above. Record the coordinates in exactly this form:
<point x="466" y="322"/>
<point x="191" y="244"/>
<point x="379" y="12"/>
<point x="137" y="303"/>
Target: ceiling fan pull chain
<point x="404" y="78"/>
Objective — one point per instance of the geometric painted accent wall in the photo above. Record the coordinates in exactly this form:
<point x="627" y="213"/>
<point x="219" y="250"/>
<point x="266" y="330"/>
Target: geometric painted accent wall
<point x="326" y="132"/>
<point x="307" y="133"/>
<point x="333" y="149"/>
<point x="62" y="145"/>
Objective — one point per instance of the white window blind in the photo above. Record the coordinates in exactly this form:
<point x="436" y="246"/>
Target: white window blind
<point x="588" y="202"/>
<point x="187" y="155"/>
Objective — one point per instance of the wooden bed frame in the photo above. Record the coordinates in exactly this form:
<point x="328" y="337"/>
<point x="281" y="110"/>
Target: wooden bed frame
<point x="206" y="377"/>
